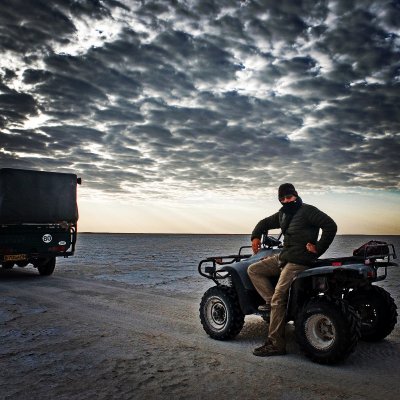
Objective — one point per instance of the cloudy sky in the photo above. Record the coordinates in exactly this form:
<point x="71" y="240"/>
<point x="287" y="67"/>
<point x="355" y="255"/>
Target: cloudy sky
<point x="185" y="115"/>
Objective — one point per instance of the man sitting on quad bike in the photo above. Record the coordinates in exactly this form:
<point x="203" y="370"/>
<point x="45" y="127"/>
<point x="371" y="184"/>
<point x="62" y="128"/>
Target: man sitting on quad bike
<point x="300" y="224"/>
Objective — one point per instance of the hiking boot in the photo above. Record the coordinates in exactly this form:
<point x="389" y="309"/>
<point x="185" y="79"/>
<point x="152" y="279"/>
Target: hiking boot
<point x="268" y="350"/>
<point x="265" y="307"/>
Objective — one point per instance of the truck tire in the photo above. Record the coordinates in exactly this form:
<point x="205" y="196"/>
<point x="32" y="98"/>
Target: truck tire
<point x="46" y="266"/>
<point x="327" y="330"/>
<point x="377" y="311"/>
<point x="220" y="313"/>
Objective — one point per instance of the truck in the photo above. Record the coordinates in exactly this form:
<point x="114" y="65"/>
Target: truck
<point x="38" y="218"/>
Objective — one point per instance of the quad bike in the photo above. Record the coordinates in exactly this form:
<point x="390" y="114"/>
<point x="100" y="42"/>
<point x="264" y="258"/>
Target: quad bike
<point x="333" y="304"/>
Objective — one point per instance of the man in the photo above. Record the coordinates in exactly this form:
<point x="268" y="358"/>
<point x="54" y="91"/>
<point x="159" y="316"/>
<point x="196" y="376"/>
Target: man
<point x="300" y="224"/>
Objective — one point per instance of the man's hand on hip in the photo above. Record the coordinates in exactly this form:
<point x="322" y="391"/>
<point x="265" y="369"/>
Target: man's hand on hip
<point x="312" y="248"/>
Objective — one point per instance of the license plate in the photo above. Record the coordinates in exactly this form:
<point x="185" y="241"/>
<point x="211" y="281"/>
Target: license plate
<point x="15" y="257"/>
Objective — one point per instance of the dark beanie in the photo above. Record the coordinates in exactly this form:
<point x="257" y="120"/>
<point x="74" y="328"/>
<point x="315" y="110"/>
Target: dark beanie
<point x="286" y="189"/>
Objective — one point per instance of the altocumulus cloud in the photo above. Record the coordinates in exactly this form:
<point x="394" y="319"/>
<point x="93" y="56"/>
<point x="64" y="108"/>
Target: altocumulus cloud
<point x="151" y="98"/>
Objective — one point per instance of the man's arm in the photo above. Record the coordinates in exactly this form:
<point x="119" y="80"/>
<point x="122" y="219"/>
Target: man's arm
<point x="262" y="228"/>
<point x="328" y="227"/>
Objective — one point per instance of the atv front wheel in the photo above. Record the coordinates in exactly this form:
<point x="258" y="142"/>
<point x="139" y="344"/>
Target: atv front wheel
<point x="377" y="311"/>
<point x="327" y="330"/>
<point x="220" y="313"/>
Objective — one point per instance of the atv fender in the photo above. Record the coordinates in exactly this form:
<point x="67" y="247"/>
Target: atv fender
<point x="361" y="270"/>
<point x="249" y="299"/>
<point x="302" y="285"/>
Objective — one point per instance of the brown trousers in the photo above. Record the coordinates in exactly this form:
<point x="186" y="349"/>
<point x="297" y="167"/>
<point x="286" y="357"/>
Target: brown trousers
<point x="259" y="273"/>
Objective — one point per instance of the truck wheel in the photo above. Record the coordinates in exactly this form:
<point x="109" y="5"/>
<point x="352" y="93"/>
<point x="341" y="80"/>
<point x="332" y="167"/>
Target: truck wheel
<point x="377" y="311"/>
<point x="220" y="313"/>
<point x="327" y="330"/>
<point x="46" y="266"/>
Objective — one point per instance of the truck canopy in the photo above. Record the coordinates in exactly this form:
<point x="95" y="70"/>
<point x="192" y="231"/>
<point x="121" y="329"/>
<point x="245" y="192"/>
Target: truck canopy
<point x="37" y="197"/>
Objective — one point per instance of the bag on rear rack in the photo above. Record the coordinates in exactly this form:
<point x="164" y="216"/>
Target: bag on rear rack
<point x="372" y="249"/>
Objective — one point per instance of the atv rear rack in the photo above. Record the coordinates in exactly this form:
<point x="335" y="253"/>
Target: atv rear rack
<point x="382" y="251"/>
<point x="380" y="258"/>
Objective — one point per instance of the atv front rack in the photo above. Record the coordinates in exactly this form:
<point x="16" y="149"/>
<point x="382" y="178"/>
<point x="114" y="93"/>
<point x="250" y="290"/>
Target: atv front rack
<point x="211" y="271"/>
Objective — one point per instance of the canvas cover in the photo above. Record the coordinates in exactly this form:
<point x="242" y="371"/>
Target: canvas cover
<point x="37" y="197"/>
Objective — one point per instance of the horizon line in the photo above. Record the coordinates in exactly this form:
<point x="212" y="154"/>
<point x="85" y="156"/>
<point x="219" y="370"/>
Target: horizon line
<point x="215" y="234"/>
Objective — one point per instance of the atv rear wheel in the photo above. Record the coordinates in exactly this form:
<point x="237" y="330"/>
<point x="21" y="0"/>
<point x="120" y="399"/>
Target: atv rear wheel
<point x="46" y="266"/>
<point x="327" y="330"/>
<point x="220" y="313"/>
<point x="377" y="311"/>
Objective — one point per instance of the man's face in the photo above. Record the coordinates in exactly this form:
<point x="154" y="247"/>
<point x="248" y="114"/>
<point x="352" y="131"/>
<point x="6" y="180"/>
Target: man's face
<point x="287" y="199"/>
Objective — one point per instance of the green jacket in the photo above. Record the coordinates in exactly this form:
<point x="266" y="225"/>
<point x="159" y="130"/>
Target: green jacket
<point x="303" y="228"/>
